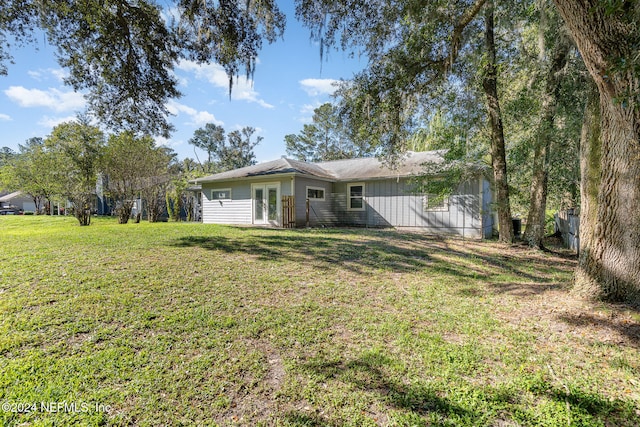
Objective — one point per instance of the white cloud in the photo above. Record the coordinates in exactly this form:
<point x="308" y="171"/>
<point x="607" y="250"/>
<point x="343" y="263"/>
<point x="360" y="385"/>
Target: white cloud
<point x="170" y="14"/>
<point x="161" y="141"/>
<point x="5" y="117"/>
<point x="216" y="75"/>
<point x="306" y="112"/>
<point x="43" y="74"/>
<point x="59" y="73"/>
<point x="36" y="75"/>
<point x="52" y="98"/>
<point x="52" y="122"/>
<point x="316" y="87"/>
<point x="198" y="118"/>
<point x="309" y="108"/>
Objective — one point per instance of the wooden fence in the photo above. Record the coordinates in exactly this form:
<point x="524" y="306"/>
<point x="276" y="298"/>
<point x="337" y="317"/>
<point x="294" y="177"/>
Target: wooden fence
<point x="288" y="212"/>
<point x="568" y="225"/>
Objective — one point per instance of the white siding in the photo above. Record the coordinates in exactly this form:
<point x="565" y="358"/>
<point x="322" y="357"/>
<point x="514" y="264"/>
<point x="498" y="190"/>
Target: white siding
<point x="234" y="211"/>
<point x="239" y="209"/>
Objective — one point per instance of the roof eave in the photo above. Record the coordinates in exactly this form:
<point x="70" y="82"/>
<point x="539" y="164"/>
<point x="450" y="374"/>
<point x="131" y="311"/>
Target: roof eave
<point x="262" y="177"/>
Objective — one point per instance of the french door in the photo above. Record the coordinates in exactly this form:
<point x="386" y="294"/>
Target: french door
<point x="266" y="203"/>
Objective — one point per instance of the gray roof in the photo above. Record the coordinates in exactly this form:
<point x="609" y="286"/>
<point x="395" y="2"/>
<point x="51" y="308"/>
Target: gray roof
<point x="10" y="196"/>
<point x="279" y="166"/>
<point x="411" y="164"/>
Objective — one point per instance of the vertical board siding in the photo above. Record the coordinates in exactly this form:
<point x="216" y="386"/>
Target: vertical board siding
<point x="320" y="212"/>
<point x="392" y="203"/>
<point x="568" y="225"/>
<point x="487" y="211"/>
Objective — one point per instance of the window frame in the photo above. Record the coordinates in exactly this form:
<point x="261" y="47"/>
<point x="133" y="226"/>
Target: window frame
<point x="319" y="199"/>
<point x="220" y="190"/>
<point x="443" y="207"/>
<point x="350" y="198"/>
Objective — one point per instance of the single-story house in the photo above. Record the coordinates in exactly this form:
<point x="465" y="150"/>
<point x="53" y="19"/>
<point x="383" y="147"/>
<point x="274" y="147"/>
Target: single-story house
<point x="356" y="192"/>
<point x="17" y="200"/>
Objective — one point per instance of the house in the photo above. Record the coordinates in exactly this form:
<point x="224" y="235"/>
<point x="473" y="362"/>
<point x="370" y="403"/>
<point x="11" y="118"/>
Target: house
<point x="356" y="192"/>
<point x="17" y="201"/>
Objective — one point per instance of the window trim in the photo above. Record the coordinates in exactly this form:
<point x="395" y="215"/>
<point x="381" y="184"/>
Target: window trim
<point x="349" y="198"/>
<point x="227" y="190"/>
<point x="319" y="199"/>
<point x="444" y="207"/>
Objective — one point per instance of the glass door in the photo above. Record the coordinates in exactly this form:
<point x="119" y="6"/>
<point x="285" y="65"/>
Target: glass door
<point x="266" y="204"/>
<point x="258" y="205"/>
<point x="272" y="204"/>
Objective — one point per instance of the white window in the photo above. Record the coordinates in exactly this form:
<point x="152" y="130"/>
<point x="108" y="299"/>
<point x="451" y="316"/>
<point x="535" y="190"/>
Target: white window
<point x="355" y="196"/>
<point x="221" y="194"/>
<point x="315" y="193"/>
<point x="435" y="203"/>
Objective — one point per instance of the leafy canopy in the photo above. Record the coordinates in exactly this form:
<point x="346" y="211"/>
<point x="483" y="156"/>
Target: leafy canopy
<point x="326" y="138"/>
<point x="122" y="52"/>
<point x="225" y="153"/>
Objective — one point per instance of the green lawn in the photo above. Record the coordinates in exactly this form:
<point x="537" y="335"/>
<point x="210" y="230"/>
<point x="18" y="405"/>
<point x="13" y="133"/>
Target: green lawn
<point x="189" y="324"/>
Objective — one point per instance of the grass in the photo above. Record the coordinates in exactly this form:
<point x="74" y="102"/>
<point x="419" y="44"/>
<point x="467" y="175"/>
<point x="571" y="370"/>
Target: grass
<point x="191" y="324"/>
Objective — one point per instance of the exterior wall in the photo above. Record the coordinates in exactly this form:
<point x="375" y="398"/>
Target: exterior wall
<point x="239" y="209"/>
<point x="388" y="203"/>
<point x="22" y="202"/>
<point x="320" y="212"/>
<point x="392" y="203"/>
<point x="567" y="223"/>
<point x="487" y="210"/>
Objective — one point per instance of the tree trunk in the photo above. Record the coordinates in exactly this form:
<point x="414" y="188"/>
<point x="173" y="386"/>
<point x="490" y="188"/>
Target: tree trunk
<point x="82" y="209"/>
<point x="610" y="268"/>
<point x="124" y="212"/>
<point x="153" y="198"/>
<point x="536" y="219"/>
<point x="37" y="202"/>
<point x="590" y="157"/>
<point x="498" y="152"/>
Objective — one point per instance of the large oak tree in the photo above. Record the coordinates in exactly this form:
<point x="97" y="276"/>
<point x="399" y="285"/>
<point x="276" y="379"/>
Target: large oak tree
<point x="122" y="52"/>
<point x="607" y="36"/>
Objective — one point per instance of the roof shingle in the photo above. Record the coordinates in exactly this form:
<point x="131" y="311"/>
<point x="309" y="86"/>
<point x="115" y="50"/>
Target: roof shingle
<point x="338" y="170"/>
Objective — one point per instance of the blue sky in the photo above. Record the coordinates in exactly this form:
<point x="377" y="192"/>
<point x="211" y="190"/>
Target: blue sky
<point x="289" y="82"/>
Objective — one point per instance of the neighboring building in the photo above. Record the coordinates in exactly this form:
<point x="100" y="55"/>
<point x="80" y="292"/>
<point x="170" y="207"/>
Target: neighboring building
<point x="356" y="192"/>
<point x="17" y="201"/>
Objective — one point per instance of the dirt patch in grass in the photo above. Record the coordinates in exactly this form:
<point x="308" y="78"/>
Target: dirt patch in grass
<point x="564" y="312"/>
<point x="256" y="399"/>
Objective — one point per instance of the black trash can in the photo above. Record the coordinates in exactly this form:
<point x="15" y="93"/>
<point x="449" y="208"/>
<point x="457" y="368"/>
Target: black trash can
<point x="517" y="226"/>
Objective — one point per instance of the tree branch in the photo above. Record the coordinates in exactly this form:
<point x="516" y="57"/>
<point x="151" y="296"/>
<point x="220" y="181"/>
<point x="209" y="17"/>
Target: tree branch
<point x="456" y="37"/>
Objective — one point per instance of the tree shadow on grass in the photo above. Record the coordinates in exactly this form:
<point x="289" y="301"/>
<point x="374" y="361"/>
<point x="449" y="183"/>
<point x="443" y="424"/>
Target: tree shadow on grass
<point x="362" y="251"/>
<point x="526" y="289"/>
<point x="373" y="251"/>
<point x="302" y="419"/>
<point x="587" y="408"/>
<point x="623" y="326"/>
<point x="373" y="373"/>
